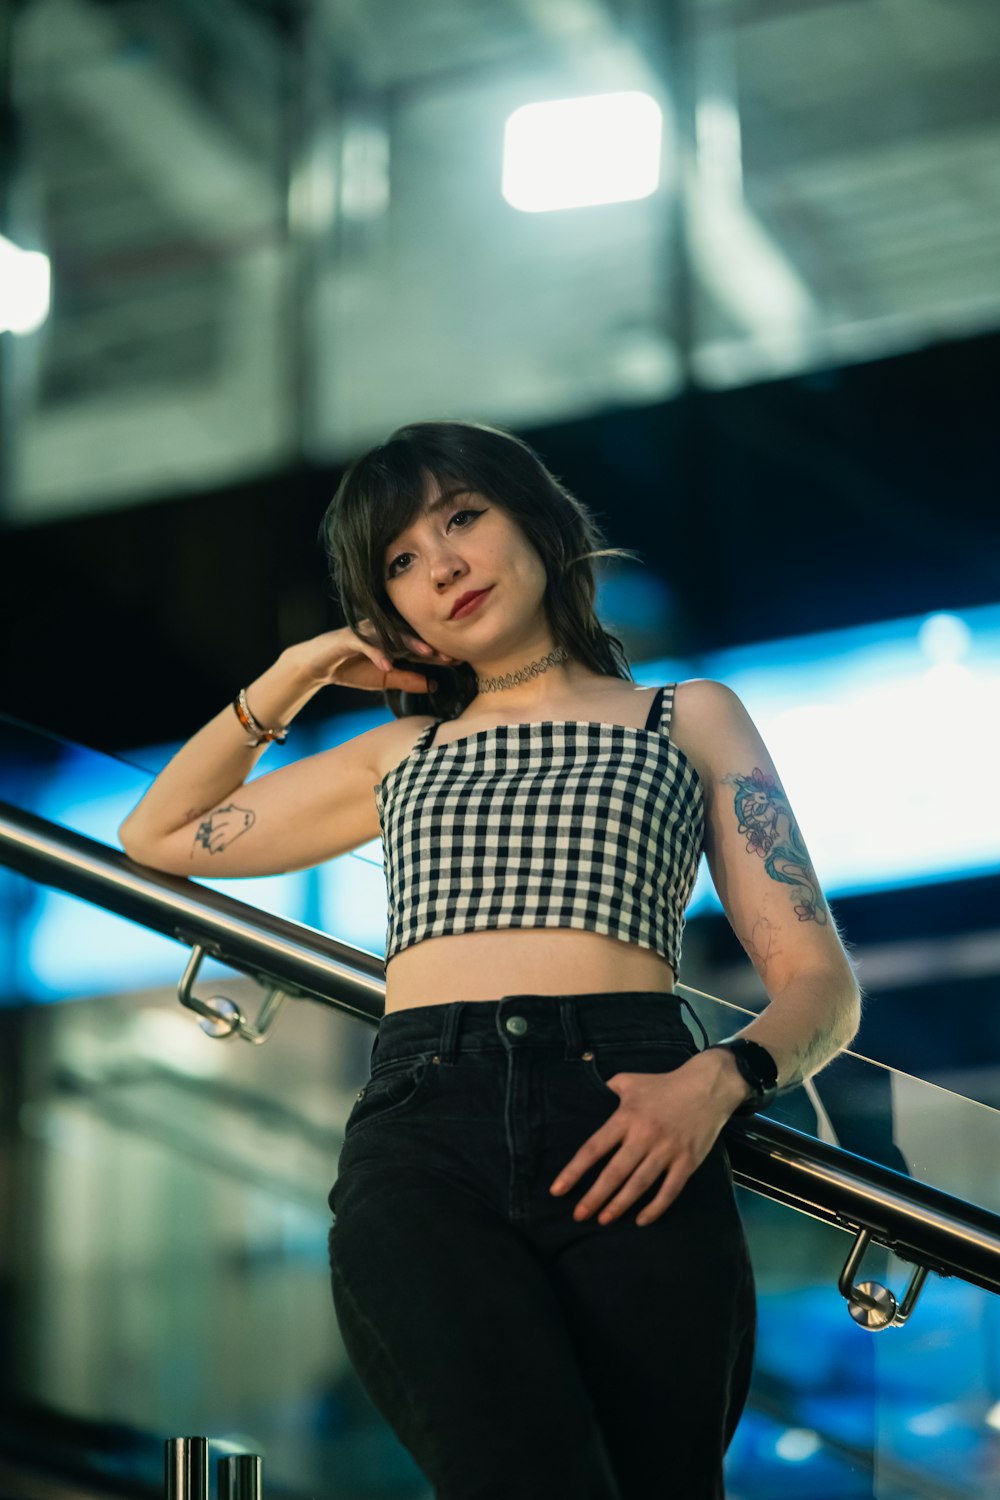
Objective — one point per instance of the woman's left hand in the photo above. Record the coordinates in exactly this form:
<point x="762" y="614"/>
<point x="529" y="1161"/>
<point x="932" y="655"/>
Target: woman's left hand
<point x="666" y="1122"/>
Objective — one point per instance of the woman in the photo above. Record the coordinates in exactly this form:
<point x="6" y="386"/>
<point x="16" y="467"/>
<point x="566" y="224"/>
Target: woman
<point x="538" y="1268"/>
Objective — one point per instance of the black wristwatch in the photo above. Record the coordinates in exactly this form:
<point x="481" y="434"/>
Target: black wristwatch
<point x="759" y="1069"/>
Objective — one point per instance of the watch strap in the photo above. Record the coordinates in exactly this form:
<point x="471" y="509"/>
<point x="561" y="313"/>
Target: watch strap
<point x="757" y="1067"/>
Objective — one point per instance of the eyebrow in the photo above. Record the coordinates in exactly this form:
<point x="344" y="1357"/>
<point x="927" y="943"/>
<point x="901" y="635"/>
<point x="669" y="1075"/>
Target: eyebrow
<point x="444" y="499"/>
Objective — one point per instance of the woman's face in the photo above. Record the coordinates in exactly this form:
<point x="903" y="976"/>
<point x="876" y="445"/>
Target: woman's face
<point x="459" y="543"/>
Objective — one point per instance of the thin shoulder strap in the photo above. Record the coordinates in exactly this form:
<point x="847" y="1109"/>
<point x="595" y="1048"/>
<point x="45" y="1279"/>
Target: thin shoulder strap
<point x="667" y="708"/>
<point x="653" y="717"/>
<point x="433" y="731"/>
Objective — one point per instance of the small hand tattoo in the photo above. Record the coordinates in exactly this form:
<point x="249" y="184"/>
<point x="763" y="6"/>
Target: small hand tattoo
<point x="216" y="832"/>
<point x="764" y="815"/>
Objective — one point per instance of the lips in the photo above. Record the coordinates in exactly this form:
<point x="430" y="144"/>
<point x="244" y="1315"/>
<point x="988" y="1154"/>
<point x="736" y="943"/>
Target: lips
<point x="468" y="599"/>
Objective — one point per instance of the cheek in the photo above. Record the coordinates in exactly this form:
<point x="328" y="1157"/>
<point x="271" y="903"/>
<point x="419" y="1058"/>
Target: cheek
<point x="525" y="561"/>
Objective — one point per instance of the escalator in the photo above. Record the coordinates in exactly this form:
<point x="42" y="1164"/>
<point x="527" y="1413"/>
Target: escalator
<point x="163" y="1211"/>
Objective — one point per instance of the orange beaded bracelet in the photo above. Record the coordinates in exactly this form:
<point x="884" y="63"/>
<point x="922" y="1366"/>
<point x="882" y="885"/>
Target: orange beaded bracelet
<point x="246" y="718"/>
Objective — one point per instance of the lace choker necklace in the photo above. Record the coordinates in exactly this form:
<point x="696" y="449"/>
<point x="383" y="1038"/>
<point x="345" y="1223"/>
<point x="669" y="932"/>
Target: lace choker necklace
<point x="525" y="674"/>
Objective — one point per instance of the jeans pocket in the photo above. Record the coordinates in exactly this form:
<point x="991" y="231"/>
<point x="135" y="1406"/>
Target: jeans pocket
<point x="603" y="1062"/>
<point x="392" y="1088"/>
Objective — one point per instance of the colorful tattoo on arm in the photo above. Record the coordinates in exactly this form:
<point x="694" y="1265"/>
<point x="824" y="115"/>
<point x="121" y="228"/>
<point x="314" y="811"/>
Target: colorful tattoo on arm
<point x="764" y="815"/>
<point x="224" y="824"/>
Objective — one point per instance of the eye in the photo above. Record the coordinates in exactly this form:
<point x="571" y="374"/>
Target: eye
<point x="393" y="571"/>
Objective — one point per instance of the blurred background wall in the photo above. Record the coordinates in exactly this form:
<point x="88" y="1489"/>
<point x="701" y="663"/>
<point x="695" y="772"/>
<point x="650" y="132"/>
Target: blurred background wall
<point x="243" y="240"/>
<point x="275" y="230"/>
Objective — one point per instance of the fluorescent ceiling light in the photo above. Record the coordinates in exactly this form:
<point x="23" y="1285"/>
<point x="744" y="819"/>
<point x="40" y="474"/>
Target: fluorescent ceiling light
<point x="573" y="153"/>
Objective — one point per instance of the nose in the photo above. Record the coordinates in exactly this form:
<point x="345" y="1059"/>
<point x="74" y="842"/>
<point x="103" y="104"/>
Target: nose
<point x="445" y="570"/>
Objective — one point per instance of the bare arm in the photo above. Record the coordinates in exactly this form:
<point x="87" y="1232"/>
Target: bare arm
<point x="201" y="816"/>
<point x="216" y="761"/>
<point x="762" y="870"/>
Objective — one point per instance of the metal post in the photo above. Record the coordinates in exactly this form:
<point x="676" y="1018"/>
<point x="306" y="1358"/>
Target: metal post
<point x="239" y="1477"/>
<point x="186" y="1468"/>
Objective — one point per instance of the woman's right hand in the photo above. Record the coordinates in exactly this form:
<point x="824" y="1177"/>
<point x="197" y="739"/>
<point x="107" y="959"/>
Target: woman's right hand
<point x="356" y="659"/>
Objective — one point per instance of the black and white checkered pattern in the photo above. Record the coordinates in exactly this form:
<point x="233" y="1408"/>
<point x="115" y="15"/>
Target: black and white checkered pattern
<point x="566" y="823"/>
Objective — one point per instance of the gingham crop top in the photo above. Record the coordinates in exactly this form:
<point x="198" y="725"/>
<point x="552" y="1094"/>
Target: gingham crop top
<point x="565" y="823"/>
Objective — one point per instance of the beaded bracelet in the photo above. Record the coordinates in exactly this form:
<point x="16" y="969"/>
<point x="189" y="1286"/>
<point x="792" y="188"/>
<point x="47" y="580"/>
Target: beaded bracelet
<point x="246" y="718"/>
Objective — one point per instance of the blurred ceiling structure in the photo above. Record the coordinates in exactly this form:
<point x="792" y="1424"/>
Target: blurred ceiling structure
<point x="276" y="229"/>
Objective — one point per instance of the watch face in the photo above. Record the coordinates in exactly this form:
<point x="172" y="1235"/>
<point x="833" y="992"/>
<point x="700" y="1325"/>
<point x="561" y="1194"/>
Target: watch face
<point x="756" y="1064"/>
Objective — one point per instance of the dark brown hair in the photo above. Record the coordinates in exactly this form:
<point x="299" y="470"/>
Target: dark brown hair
<point x="382" y="492"/>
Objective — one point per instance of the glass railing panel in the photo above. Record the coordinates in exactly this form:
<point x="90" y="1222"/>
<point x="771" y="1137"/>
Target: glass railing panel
<point x="836" y="1412"/>
<point x="57" y="947"/>
<point x="73" y="785"/>
<point x="917" y="1128"/>
<point x="809" y="1426"/>
<point x="939" y="1395"/>
<point x="91" y="793"/>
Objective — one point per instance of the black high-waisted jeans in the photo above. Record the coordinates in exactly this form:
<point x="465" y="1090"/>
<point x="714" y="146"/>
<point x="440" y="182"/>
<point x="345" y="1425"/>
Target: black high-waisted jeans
<point x="513" y="1351"/>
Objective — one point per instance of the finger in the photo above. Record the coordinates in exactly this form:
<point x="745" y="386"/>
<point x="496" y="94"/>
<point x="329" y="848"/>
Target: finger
<point x="409" y="682"/>
<point x="676" y="1178"/>
<point x="421" y="648"/>
<point x="599" y="1144"/>
<point x="621" y="1169"/>
<point x="649" y="1170"/>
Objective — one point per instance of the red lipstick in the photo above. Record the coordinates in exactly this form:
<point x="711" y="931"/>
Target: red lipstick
<point x="468" y="602"/>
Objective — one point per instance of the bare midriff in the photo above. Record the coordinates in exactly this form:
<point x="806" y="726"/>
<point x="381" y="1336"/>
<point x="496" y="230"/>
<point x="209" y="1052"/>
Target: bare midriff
<point x="529" y="960"/>
<point x="520" y="961"/>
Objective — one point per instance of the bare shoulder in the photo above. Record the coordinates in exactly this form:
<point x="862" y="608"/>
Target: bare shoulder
<point x="392" y="742"/>
<point x="702" y="707"/>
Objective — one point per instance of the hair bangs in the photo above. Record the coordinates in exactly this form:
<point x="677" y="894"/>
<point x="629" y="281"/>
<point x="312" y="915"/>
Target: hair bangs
<point x="392" y="486"/>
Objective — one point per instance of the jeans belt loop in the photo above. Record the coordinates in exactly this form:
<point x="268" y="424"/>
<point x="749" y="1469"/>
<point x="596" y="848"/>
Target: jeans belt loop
<point x="571" y="1028"/>
<point x="448" y="1045"/>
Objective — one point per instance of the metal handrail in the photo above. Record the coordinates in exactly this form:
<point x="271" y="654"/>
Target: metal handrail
<point x="920" y="1223"/>
<point x="878" y="1205"/>
<point x="271" y="949"/>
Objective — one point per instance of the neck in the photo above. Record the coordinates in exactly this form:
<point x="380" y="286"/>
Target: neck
<point x="531" y="684"/>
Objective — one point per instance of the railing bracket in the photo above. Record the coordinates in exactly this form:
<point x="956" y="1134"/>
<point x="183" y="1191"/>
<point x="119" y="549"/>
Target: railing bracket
<point x="870" y="1303"/>
<point x="221" y="1017"/>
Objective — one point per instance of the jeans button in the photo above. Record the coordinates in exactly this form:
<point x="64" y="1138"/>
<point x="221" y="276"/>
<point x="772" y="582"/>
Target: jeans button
<point x="517" y="1025"/>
